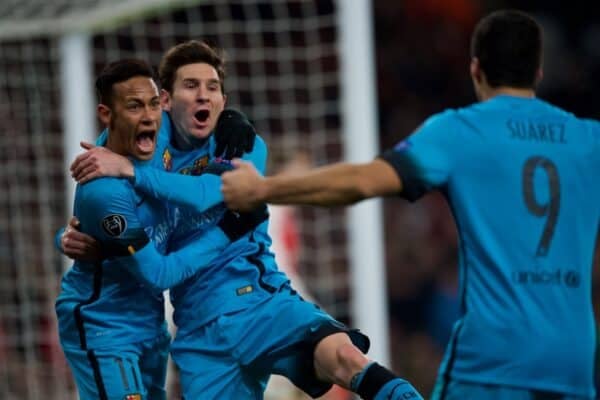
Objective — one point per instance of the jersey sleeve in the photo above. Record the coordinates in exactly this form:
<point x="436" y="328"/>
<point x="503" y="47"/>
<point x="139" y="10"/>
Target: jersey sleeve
<point x="161" y="272"/>
<point x="199" y="192"/>
<point x="57" y="238"/>
<point x="110" y="217"/>
<point x="425" y="159"/>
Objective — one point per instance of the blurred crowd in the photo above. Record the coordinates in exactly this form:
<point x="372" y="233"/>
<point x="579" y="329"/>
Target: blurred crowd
<point x="423" y="58"/>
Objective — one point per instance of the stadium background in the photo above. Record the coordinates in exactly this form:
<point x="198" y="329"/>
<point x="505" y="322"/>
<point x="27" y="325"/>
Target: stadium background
<point x="422" y="67"/>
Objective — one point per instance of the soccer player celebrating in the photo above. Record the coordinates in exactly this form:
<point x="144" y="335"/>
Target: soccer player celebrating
<point x="111" y="311"/>
<point x="239" y="320"/>
<point x="521" y="177"/>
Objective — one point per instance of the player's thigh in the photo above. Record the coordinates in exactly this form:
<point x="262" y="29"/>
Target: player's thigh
<point x="106" y="375"/>
<point x="208" y="370"/>
<point x="279" y="336"/>
<point x="153" y="366"/>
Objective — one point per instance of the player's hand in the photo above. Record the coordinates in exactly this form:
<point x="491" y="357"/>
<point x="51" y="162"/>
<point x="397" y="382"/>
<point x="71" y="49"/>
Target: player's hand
<point x="98" y="161"/>
<point x="235" y="225"/>
<point x="242" y="187"/>
<point x="78" y="245"/>
<point x="234" y="134"/>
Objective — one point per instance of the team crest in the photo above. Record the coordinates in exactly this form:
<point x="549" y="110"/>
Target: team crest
<point x="199" y="165"/>
<point x="114" y="225"/>
<point x="135" y="396"/>
<point x="167" y="161"/>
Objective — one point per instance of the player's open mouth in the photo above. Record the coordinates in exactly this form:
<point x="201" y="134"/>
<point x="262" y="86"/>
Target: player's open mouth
<point x="145" y="141"/>
<point x="201" y="116"/>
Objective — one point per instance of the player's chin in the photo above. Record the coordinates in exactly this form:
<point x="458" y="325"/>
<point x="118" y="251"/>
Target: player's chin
<point x="144" y="152"/>
<point x="201" y="132"/>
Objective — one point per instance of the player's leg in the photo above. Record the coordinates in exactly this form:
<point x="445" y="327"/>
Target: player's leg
<point x="106" y="375"/>
<point x="153" y="366"/>
<point x="209" y="369"/>
<point x="295" y="338"/>
<point x="338" y="360"/>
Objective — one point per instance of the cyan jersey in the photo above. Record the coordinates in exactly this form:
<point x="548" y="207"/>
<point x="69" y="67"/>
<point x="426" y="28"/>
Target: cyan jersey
<point x="119" y="300"/>
<point x="521" y="178"/>
<point x="245" y="272"/>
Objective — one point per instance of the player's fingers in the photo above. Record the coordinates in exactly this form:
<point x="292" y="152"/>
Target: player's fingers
<point x="88" y="173"/>
<point x="80" y="159"/>
<point x="86" y="145"/>
<point x="237" y="162"/>
<point x="74" y="222"/>
<point x="82" y="164"/>
<point x="81" y="237"/>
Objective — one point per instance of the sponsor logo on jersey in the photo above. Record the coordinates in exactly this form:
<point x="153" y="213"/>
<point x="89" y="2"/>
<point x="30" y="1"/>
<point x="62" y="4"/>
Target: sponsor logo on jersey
<point x="167" y="160"/>
<point x="134" y="396"/>
<point x="196" y="168"/>
<point x="114" y="225"/>
<point x="569" y="278"/>
<point x="244" y="290"/>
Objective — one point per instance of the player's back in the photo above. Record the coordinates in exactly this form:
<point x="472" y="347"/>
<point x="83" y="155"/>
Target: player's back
<point x="524" y="193"/>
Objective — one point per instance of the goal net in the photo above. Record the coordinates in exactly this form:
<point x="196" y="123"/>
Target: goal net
<point x="283" y="71"/>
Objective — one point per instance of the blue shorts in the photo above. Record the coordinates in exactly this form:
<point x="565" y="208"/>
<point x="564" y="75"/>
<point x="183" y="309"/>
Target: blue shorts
<point x="135" y="371"/>
<point x="233" y="356"/>
<point x="458" y="390"/>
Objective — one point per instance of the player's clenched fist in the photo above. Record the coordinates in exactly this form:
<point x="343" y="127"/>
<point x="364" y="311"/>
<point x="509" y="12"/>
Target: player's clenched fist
<point x="242" y="187"/>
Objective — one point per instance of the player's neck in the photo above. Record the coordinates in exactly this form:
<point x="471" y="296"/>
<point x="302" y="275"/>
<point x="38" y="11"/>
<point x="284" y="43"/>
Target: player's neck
<point x="508" y="91"/>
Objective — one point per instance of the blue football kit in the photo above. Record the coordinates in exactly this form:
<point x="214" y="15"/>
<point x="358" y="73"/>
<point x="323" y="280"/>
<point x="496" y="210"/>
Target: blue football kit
<point x="521" y="178"/>
<point x="111" y="313"/>
<point x="238" y="319"/>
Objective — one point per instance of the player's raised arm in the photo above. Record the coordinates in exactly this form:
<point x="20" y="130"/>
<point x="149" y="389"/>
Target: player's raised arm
<point x="336" y="184"/>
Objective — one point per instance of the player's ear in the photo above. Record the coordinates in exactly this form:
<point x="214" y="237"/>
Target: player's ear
<point x="165" y="100"/>
<point x="103" y="112"/>
<point x="475" y="70"/>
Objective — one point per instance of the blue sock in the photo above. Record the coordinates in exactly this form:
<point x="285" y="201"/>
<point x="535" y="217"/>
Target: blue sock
<point x="375" y="382"/>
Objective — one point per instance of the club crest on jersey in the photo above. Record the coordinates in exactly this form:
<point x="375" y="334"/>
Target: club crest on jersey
<point x="167" y="160"/>
<point x="135" y="396"/>
<point x="114" y="225"/>
<point x="197" y="168"/>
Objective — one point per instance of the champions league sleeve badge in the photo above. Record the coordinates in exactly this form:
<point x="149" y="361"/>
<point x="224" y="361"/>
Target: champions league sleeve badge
<point x="114" y="225"/>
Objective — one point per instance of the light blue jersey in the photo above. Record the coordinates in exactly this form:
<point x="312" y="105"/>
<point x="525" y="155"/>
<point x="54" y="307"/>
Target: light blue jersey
<point x="521" y="178"/>
<point x="119" y="300"/>
<point x="242" y="292"/>
<point x="245" y="272"/>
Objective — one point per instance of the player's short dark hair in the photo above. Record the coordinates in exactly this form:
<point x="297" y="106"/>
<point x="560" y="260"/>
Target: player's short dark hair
<point x="119" y="71"/>
<point x="508" y="44"/>
<point x="190" y="52"/>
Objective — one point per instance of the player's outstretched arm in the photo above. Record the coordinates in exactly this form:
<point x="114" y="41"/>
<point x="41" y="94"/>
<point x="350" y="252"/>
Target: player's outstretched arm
<point x="198" y="193"/>
<point x="332" y="185"/>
